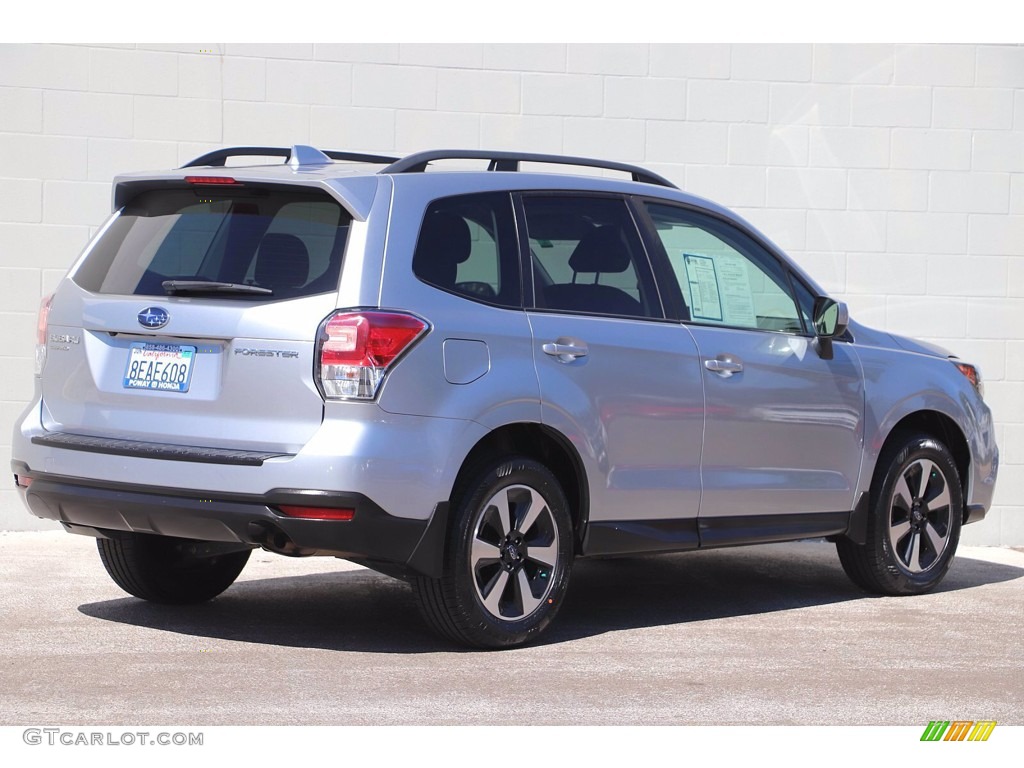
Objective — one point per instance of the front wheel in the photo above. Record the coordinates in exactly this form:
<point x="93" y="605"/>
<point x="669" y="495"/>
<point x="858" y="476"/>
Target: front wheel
<point x="914" y="524"/>
<point x="162" y="569"/>
<point x="506" y="569"/>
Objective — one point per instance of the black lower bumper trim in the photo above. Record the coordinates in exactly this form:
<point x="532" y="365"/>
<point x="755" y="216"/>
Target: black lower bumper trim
<point x="372" y="534"/>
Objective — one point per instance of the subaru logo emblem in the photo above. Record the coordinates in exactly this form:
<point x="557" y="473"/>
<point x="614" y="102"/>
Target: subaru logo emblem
<point x="153" y="317"/>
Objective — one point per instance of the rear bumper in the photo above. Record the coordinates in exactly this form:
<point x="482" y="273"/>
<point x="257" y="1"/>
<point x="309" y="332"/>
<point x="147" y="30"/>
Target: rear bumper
<point x="372" y="535"/>
<point x="403" y="463"/>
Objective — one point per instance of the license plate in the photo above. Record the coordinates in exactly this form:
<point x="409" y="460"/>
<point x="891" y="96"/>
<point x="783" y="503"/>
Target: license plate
<point x="163" y="367"/>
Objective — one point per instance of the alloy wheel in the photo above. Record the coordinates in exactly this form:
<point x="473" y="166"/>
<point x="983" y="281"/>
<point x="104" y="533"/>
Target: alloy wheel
<point x="514" y="552"/>
<point x="919" y="516"/>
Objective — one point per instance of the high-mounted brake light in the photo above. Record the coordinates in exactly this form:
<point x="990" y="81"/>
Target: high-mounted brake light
<point x="210" y="180"/>
<point x="41" y="325"/>
<point x="355" y="350"/>
<point x="973" y="375"/>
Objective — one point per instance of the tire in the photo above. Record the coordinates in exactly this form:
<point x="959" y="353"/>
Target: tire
<point x="506" y="569"/>
<point x="166" y="570"/>
<point x="914" y="523"/>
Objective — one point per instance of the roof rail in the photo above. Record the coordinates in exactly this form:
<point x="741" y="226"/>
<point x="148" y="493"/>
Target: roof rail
<point x="509" y="161"/>
<point x="298" y="155"/>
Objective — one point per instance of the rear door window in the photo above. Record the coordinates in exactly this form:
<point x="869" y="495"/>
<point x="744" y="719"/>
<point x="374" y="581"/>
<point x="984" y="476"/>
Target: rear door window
<point x="289" y="242"/>
<point x="587" y="257"/>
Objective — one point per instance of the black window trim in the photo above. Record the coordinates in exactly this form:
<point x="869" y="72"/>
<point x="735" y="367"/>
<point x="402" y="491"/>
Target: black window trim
<point x="794" y="280"/>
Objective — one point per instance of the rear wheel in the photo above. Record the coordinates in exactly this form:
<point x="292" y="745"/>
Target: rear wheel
<point x="506" y="570"/>
<point x="162" y="569"/>
<point x="914" y="524"/>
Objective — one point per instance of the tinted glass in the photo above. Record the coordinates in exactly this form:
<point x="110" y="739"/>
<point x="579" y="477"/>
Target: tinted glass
<point x="587" y="257"/>
<point x="288" y="242"/>
<point x="467" y="245"/>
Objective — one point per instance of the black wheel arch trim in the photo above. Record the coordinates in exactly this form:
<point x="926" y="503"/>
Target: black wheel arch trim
<point x="428" y="556"/>
<point x="975" y="513"/>
<point x="857" y="531"/>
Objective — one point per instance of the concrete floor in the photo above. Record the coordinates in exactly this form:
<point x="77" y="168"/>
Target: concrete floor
<point x="773" y="634"/>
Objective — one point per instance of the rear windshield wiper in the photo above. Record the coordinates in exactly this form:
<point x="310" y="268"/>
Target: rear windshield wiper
<point x="209" y="286"/>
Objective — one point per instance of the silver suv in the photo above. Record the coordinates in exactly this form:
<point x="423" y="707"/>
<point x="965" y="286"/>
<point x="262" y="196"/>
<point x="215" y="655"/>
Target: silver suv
<point x="469" y="378"/>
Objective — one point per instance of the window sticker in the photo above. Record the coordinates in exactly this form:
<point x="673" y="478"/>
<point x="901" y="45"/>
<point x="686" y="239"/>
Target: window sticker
<point x="737" y="298"/>
<point x="720" y="290"/>
<point x="703" y="282"/>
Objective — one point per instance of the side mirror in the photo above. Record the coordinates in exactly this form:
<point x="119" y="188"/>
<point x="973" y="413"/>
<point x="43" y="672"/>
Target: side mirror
<point x="831" y="319"/>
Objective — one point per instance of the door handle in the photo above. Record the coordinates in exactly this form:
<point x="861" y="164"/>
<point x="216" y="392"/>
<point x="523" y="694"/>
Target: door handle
<point x="724" y="365"/>
<point x="566" y="350"/>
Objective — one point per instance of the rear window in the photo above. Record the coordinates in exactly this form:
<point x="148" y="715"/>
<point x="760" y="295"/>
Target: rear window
<point x="285" y="241"/>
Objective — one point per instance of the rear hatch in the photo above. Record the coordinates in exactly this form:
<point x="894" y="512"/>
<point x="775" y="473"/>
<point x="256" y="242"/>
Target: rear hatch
<point x="192" y="319"/>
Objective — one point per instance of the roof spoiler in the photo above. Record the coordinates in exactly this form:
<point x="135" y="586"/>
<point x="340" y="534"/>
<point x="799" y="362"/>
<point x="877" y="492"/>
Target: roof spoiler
<point x="297" y="156"/>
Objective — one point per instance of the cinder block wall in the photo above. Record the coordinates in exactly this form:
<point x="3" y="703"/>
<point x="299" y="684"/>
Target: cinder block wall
<point x="895" y="174"/>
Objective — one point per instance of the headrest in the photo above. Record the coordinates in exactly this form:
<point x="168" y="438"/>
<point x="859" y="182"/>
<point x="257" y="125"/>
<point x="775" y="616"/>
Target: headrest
<point x="444" y="243"/>
<point x="601" y="250"/>
<point x="447" y="237"/>
<point x="282" y="262"/>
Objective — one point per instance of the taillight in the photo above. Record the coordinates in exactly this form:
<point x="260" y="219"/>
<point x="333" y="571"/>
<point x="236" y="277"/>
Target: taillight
<point x="41" y="323"/>
<point x="355" y="350"/>
<point x="973" y="375"/>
